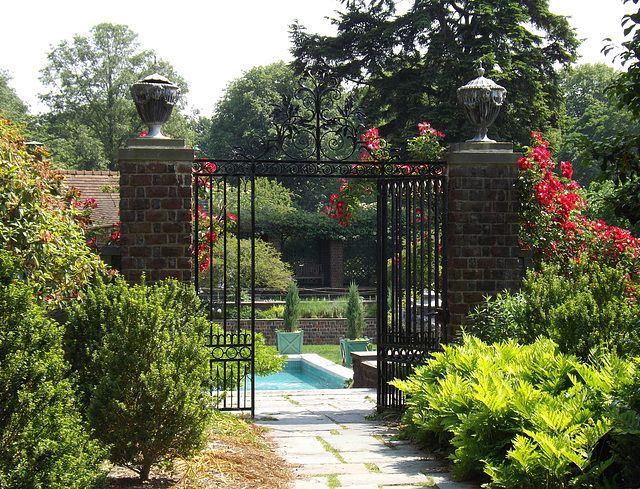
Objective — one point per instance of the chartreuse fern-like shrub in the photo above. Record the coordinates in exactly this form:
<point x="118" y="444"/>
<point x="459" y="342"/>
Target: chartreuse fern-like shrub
<point x="44" y="443"/>
<point x="585" y="307"/>
<point x="525" y="416"/>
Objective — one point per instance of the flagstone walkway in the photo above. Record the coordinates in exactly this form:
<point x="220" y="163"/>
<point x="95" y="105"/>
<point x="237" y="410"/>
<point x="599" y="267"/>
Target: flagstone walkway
<point x="332" y="441"/>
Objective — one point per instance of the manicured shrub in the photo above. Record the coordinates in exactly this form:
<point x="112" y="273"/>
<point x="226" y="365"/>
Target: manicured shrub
<point x="525" y="416"/>
<point x="584" y="308"/>
<point x="355" y="313"/>
<point x="140" y="358"/>
<point x="291" y="312"/>
<point x="494" y="319"/>
<point x="270" y="271"/>
<point x="43" y="440"/>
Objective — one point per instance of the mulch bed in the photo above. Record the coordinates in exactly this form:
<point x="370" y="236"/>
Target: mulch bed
<point x="226" y="462"/>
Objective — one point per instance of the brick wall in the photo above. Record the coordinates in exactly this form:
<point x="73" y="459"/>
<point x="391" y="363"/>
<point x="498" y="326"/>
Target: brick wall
<point x="155" y="209"/>
<point x="316" y="331"/>
<point x="332" y="260"/>
<point x="483" y="251"/>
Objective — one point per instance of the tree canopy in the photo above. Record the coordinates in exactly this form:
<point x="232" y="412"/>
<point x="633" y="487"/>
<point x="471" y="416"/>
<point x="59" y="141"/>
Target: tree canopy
<point x="11" y="106"/>
<point x="91" y="111"/>
<point x="591" y="114"/>
<point x="413" y="62"/>
<point x="242" y="115"/>
<point x="619" y="155"/>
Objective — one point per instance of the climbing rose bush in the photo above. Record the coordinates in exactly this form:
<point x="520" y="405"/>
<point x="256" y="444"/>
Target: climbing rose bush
<point x="95" y="235"/>
<point x="210" y="225"/>
<point x="424" y="147"/>
<point x="553" y="226"/>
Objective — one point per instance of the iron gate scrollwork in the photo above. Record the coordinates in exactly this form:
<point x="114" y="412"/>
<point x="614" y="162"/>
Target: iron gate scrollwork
<point x="317" y="135"/>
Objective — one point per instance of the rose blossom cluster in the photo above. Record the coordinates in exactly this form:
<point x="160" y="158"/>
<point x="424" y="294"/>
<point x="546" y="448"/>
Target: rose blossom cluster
<point x="426" y="147"/>
<point x="552" y="223"/>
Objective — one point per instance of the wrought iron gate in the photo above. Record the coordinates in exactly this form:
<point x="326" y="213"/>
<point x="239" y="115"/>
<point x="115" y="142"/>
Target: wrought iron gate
<point x="316" y="139"/>
<point x="411" y="270"/>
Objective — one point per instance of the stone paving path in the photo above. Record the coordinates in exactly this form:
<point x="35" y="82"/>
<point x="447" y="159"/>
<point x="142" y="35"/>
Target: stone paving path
<point x="327" y="436"/>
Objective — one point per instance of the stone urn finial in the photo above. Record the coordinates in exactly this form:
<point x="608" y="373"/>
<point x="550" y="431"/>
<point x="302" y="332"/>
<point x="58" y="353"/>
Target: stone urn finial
<point x="481" y="100"/>
<point x="155" y="97"/>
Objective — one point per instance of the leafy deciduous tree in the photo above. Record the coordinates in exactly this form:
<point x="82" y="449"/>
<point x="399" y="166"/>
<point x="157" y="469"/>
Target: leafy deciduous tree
<point x="619" y="155"/>
<point x="10" y="104"/>
<point x="242" y="115"/>
<point x="91" y="111"/>
<point x="591" y="114"/>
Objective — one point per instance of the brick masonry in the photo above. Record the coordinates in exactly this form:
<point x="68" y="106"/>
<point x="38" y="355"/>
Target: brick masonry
<point x="316" y="331"/>
<point x="332" y="260"/>
<point x="155" y="209"/>
<point x="482" y="248"/>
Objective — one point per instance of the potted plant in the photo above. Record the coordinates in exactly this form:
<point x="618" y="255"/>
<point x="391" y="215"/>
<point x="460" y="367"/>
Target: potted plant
<point x="289" y="341"/>
<point x="355" y="341"/>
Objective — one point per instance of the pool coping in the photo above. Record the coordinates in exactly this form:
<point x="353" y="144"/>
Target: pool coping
<point x="323" y="364"/>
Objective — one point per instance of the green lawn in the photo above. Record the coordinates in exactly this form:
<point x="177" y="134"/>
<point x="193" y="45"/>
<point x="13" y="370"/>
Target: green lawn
<point x="330" y="352"/>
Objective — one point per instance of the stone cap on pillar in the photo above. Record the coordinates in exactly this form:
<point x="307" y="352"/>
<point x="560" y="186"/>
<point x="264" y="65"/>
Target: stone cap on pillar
<point x="482" y="154"/>
<point x="145" y="149"/>
<point x="481" y="147"/>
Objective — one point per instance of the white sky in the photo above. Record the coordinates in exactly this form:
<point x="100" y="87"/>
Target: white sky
<point x="210" y="43"/>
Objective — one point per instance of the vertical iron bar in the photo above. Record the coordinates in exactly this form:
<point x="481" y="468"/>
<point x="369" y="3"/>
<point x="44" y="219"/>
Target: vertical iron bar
<point x="196" y="223"/>
<point x="382" y="287"/>
<point x="253" y="288"/>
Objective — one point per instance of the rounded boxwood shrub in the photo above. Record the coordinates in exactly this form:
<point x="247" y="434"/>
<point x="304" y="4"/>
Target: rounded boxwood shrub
<point x="590" y="307"/>
<point x="140" y="358"/>
<point x="43" y="440"/>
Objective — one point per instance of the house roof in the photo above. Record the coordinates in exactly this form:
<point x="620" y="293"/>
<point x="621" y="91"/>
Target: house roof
<point x="103" y="187"/>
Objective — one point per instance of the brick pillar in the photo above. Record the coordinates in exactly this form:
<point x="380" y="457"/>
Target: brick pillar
<point x="155" y="209"/>
<point x="331" y="253"/>
<point x="483" y="252"/>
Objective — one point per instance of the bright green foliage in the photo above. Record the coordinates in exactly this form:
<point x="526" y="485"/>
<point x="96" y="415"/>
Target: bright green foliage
<point x="10" y="104"/>
<point x="38" y="225"/>
<point x="43" y="441"/>
<point x="242" y="115"/>
<point x="618" y="155"/>
<point x="91" y="111"/>
<point x="141" y="362"/>
<point x="274" y="208"/>
<point x="267" y="359"/>
<point x="355" y="313"/>
<point x="586" y="310"/>
<point x="292" y="311"/>
<point x="412" y="62"/>
<point x="494" y="320"/>
<point x="270" y="270"/>
<point x="527" y="416"/>
<point x="591" y="114"/>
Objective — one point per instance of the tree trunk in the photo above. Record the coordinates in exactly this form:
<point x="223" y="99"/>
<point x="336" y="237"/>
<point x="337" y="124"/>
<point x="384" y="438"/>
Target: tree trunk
<point x="145" y="468"/>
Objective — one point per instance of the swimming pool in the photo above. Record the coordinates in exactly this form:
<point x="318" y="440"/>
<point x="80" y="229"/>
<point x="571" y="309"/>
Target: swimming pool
<point x="306" y="371"/>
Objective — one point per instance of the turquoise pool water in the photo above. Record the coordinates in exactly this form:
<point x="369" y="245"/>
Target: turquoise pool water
<point x="300" y="375"/>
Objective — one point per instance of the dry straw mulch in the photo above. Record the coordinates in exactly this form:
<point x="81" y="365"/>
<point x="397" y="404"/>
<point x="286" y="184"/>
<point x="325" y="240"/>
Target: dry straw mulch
<point x="238" y="456"/>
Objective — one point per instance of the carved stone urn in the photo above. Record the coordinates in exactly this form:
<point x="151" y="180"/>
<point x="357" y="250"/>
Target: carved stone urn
<point x="155" y="97"/>
<point x="481" y="100"/>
